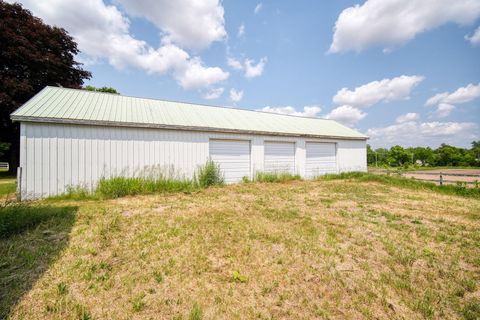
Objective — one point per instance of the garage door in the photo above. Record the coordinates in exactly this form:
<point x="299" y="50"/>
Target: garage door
<point x="279" y="157"/>
<point x="233" y="157"/>
<point x="321" y="159"/>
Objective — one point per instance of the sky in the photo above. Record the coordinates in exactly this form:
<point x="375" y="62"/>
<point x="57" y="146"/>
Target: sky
<point x="403" y="72"/>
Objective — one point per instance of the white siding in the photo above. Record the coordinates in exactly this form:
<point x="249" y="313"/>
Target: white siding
<point x="233" y="158"/>
<point x="321" y="159"/>
<point x="279" y="156"/>
<point x="55" y="156"/>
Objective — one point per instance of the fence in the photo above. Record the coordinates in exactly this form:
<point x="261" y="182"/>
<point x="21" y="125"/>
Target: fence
<point x="441" y="175"/>
<point x="4" y="166"/>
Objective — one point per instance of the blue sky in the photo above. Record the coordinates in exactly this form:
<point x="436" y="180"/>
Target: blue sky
<point x="410" y="69"/>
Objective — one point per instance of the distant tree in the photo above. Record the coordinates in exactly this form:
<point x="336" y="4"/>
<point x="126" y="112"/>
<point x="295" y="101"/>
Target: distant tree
<point x="32" y="56"/>
<point x="4" y="147"/>
<point x="102" y="89"/>
<point x="424" y="155"/>
<point x="398" y="156"/>
<point x="449" y="156"/>
<point x="370" y="155"/>
<point x="476" y="150"/>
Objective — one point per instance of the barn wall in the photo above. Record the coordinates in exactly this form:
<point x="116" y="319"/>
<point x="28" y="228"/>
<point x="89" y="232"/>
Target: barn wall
<point x="54" y="156"/>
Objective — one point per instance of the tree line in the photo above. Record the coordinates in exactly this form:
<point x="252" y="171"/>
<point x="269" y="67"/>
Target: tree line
<point x="445" y="155"/>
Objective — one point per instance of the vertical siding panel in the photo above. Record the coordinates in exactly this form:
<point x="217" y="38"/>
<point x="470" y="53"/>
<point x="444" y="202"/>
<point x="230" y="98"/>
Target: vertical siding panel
<point x="30" y="162"/>
<point x="60" y="131"/>
<point x="37" y="133"/>
<point x="53" y="159"/>
<point x="23" y="161"/>
<point x="88" y="157"/>
<point x="45" y="145"/>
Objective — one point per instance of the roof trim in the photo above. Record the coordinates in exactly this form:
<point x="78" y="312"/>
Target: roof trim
<point x="171" y="127"/>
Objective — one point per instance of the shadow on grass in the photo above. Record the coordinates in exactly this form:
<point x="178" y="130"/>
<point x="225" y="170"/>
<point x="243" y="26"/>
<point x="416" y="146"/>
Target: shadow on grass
<point x="31" y="239"/>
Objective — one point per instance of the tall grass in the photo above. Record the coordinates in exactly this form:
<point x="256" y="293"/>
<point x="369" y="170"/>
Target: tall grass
<point x="275" y="176"/>
<point x="152" y="180"/>
<point x="409" y="183"/>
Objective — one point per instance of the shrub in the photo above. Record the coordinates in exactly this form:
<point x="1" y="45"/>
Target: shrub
<point x="276" y="177"/>
<point x="209" y="175"/>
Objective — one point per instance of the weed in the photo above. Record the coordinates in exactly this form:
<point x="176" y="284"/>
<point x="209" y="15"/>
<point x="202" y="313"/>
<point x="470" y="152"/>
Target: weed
<point x="62" y="289"/>
<point x="471" y="310"/>
<point x="195" y="313"/>
<point x="209" y="175"/>
<point x="137" y="302"/>
<point x="276" y="176"/>
<point x="237" y="277"/>
<point x="157" y="275"/>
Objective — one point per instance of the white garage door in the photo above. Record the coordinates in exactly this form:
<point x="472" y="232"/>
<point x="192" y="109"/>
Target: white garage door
<point x="321" y="159"/>
<point x="279" y="157"/>
<point x="233" y="157"/>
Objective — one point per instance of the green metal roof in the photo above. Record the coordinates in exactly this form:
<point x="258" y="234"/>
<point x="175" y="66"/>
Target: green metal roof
<point x="61" y="105"/>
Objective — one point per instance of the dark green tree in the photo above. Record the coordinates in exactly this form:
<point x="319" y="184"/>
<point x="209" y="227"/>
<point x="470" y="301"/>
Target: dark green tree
<point x="399" y="156"/>
<point x="32" y="56"/>
<point x="102" y="89"/>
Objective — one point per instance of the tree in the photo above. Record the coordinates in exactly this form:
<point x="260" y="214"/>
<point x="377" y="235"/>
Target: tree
<point x="425" y="155"/>
<point x="32" y="56"/>
<point x="102" y="89"/>
<point x="399" y="156"/>
<point x="449" y="155"/>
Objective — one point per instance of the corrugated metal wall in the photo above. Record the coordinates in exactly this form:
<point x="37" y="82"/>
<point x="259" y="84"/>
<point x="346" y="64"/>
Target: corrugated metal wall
<point x="53" y="156"/>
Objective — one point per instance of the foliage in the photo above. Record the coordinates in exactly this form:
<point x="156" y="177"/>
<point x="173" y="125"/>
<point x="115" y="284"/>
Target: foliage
<point x="32" y="56"/>
<point x="445" y="155"/>
<point x="17" y="218"/>
<point x="209" y="175"/>
<point x="275" y="176"/>
<point x="460" y="190"/>
<point x="102" y="89"/>
<point x="117" y="187"/>
<point x="4" y="146"/>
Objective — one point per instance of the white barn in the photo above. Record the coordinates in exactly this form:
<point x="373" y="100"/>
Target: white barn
<point x="74" y="137"/>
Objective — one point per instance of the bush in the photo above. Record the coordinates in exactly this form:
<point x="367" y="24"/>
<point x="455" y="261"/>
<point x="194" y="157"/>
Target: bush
<point x="275" y="177"/>
<point x="209" y="175"/>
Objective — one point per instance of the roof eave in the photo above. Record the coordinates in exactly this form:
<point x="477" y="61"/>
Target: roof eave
<point x="172" y="127"/>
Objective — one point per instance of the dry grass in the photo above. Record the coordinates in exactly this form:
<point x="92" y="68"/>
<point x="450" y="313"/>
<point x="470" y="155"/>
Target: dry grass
<point x="302" y="250"/>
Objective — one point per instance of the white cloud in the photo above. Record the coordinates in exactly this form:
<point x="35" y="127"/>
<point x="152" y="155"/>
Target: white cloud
<point x="475" y="38"/>
<point x="385" y="90"/>
<point x="395" y="22"/>
<point x="308" y="111"/>
<point x="241" y="31"/>
<point x="214" y="93"/>
<point x="236" y="95"/>
<point x="253" y="70"/>
<point x="414" y="133"/>
<point x="445" y="102"/>
<point x="258" y="7"/>
<point x="346" y="115"/>
<point x="411" y="116"/>
<point x="102" y="32"/>
<point x="234" y="63"/>
<point x="188" y="23"/>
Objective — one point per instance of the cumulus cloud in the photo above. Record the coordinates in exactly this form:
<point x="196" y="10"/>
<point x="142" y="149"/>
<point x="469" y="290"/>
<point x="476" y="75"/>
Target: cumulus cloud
<point x="241" y="31"/>
<point x="214" y="93"/>
<point x="236" y="95"/>
<point x="395" y="22"/>
<point x="413" y="133"/>
<point x="250" y="68"/>
<point x="475" y="38"/>
<point x="258" y="7"/>
<point x="411" y="116"/>
<point x="385" y="90"/>
<point x="346" y="115"/>
<point x="445" y="102"/>
<point x="308" y="111"/>
<point x="102" y="32"/>
<point x="253" y="70"/>
<point x="188" y="23"/>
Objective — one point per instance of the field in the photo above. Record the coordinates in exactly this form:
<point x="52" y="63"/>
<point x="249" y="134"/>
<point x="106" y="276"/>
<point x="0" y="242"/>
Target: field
<point x="327" y="249"/>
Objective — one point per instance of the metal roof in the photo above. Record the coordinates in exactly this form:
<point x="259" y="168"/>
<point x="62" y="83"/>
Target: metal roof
<point x="62" y="105"/>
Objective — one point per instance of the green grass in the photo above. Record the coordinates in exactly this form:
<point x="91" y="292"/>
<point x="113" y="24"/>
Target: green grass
<point x="340" y="247"/>
<point x="405" y="183"/>
<point x="275" y="177"/>
<point x="416" y="168"/>
<point x="7" y="185"/>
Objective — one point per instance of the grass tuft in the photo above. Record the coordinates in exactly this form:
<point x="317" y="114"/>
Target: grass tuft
<point x="276" y="177"/>
<point x="209" y="175"/>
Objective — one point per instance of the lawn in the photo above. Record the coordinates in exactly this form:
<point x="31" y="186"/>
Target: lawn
<point x="329" y="249"/>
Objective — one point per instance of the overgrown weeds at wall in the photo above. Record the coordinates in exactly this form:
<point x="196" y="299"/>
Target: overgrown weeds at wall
<point x="209" y="175"/>
<point x="275" y="177"/>
<point x="150" y="181"/>
<point x="460" y="190"/>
